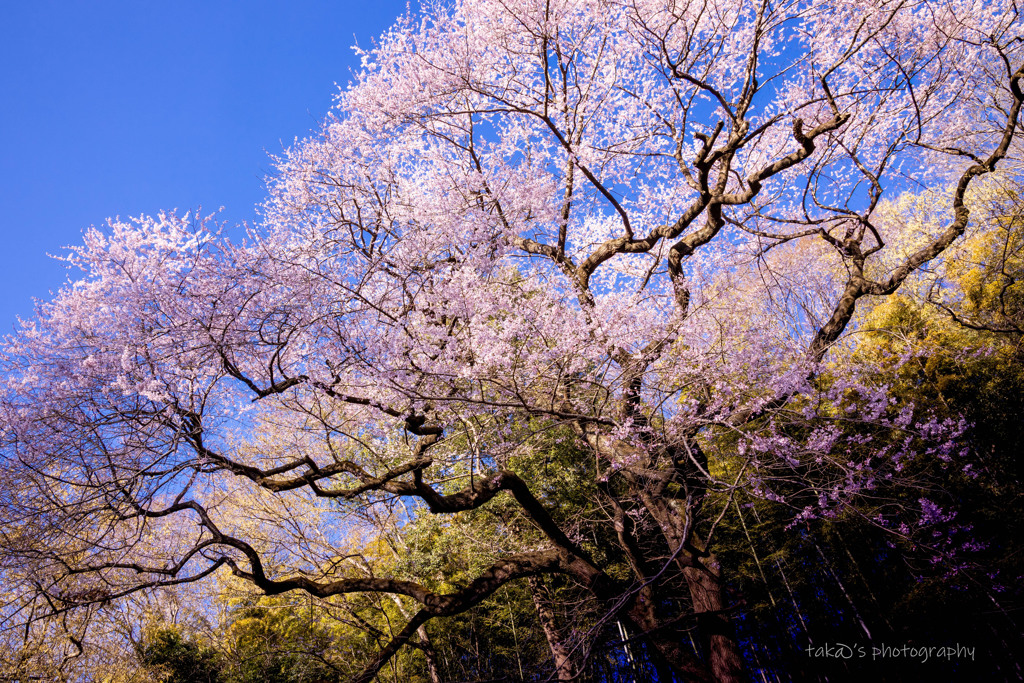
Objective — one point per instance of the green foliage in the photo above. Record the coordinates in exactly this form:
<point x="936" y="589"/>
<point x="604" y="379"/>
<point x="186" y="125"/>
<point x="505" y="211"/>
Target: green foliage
<point x="272" y="640"/>
<point x="179" y="659"/>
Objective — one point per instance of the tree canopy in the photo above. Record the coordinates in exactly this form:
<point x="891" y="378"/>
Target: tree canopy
<point x="557" y="293"/>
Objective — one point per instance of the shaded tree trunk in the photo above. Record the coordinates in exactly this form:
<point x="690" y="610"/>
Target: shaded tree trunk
<point x="559" y="652"/>
<point x="723" y="662"/>
<point x="707" y="591"/>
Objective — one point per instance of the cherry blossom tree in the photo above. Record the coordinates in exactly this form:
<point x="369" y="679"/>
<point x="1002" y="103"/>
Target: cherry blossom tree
<point x="636" y="229"/>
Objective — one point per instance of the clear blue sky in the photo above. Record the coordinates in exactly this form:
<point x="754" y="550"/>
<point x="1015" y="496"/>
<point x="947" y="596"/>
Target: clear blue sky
<point x="124" y="107"/>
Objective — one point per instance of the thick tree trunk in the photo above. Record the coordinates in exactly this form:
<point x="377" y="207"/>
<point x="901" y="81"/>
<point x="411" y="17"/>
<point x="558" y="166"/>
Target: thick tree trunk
<point x="707" y="592"/>
<point x="559" y="651"/>
<point x="723" y="664"/>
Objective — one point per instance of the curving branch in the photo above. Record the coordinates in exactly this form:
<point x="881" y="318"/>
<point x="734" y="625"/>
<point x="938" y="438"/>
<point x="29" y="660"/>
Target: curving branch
<point x="858" y="286"/>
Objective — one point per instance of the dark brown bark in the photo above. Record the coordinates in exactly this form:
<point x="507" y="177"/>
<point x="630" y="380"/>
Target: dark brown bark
<point x="707" y="592"/>
<point x="548" y="622"/>
<point x="702" y="574"/>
